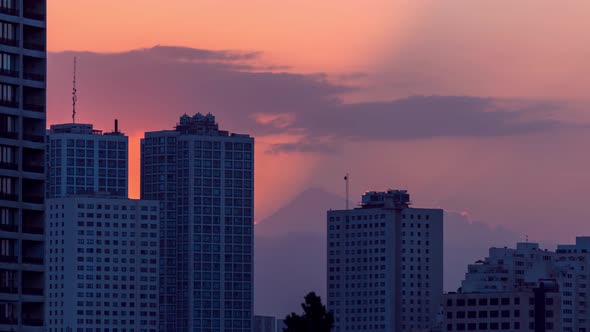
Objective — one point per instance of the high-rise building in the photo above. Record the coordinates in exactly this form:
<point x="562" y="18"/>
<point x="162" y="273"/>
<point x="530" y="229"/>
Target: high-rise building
<point x="22" y="157"/>
<point x="204" y="180"/>
<point x="385" y="264"/>
<point x="102" y="264"/>
<point x="83" y="160"/>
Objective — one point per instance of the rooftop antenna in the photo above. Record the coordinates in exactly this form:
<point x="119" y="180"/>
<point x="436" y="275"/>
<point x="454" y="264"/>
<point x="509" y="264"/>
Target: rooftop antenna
<point x="346" y="180"/>
<point x="74" y="96"/>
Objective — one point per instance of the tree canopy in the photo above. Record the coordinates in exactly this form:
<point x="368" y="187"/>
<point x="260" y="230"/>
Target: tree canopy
<point x="315" y="317"/>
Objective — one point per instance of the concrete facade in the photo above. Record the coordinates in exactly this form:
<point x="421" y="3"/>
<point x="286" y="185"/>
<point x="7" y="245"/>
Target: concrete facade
<point x="524" y="309"/>
<point x="102" y="256"/>
<point x="204" y="180"/>
<point x="385" y="264"/>
<point x="82" y="160"/>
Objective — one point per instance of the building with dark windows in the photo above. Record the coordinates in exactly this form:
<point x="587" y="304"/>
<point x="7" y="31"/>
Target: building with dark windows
<point x="22" y="163"/>
<point x="204" y="180"/>
<point x="82" y="160"/>
<point x="528" y="308"/>
<point x="385" y="265"/>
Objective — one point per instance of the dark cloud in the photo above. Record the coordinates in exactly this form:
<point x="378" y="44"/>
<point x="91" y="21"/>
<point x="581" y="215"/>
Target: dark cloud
<point x="149" y="88"/>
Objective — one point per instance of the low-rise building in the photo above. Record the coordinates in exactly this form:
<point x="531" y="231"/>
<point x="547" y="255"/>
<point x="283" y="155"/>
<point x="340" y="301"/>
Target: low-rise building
<point x="527" y="308"/>
<point x="264" y="324"/>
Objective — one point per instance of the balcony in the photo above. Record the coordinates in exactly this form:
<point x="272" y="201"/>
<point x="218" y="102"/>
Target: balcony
<point x="32" y="321"/>
<point x="8" y="10"/>
<point x="34" y="16"/>
<point x="9" y="42"/>
<point x="33" y="291"/>
<point x="8" y="103"/>
<point x="10" y="166"/>
<point x="33" y="260"/>
<point x="34" y="108"/>
<point x="33" y="230"/>
<point x="33" y="168"/>
<point x="34" y="46"/>
<point x="8" y="197"/>
<point x="33" y="199"/>
<point x="34" y="138"/>
<point x="8" y="259"/>
<point x="8" y="290"/>
<point x="9" y="7"/>
<point x="8" y="72"/>
<point x="8" y="228"/>
<point x="34" y="77"/>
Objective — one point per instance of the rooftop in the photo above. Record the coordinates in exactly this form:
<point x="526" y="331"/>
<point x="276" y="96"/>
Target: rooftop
<point x="82" y="129"/>
<point x="391" y="198"/>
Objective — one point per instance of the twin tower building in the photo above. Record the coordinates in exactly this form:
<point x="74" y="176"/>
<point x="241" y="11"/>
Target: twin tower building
<point x="178" y="259"/>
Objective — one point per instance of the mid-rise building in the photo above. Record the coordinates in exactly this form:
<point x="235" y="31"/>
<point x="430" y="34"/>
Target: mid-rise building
<point x="506" y="269"/>
<point x="23" y="66"/>
<point x="525" y="308"/>
<point x="264" y="324"/>
<point x="102" y="271"/>
<point x="385" y="264"/>
<point x="573" y="264"/>
<point x="82" y="160"/>
<point x="204" y="180"/>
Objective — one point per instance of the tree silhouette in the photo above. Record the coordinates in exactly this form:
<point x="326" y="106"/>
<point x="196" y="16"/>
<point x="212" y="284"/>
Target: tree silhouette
<point x="315" y="317"/>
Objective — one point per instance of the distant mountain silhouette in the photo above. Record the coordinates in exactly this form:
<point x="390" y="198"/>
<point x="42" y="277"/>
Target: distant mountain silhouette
<point x="305" y="213"/>
<point x="290" y="251"/>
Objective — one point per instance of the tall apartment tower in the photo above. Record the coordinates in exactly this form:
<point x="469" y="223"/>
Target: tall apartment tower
<point x="83" y="160"/>
<point x="385" y="265"/>
<point x="22" y="157"/>
<point x="204" y="180"/>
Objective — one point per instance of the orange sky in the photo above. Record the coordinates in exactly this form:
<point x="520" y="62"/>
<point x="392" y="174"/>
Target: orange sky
<point x="529" y="48"/>
<point x="308" y="34"/>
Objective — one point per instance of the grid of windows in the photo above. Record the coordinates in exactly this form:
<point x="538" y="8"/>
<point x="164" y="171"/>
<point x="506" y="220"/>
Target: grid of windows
<point x="365" y="256"/>
<point x="86" y="162"/>
<point x="514" y="311"/>
<point x="103" y="265"/>
<point x="22" y="126"/>
<point x="204" y="183"/>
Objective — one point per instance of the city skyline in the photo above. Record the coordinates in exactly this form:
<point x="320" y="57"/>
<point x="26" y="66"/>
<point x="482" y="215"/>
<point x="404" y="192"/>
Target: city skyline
<point x="479" y="108"/>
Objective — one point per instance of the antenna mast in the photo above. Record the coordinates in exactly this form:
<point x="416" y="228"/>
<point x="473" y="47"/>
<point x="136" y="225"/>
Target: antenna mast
<point x="346" y="180"/>
<point x="74" y="96"/>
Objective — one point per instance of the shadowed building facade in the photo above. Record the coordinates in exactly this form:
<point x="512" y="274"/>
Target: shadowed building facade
<point x="22" y="158"/>
<point x="204" y="180"/>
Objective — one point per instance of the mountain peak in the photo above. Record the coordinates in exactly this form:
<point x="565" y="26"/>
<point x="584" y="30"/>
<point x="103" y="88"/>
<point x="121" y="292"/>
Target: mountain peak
<point x="306" y="213"/>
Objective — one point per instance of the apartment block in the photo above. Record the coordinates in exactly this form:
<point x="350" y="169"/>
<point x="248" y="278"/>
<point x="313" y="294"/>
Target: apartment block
<point x="385" y="264"/>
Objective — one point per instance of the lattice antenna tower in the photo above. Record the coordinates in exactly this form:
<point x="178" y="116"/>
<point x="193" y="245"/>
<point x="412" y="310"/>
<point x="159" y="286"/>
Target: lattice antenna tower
<point x="74" y="91"/>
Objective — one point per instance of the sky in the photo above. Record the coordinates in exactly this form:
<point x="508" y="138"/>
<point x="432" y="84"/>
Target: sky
<point x="477" y="107"/>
